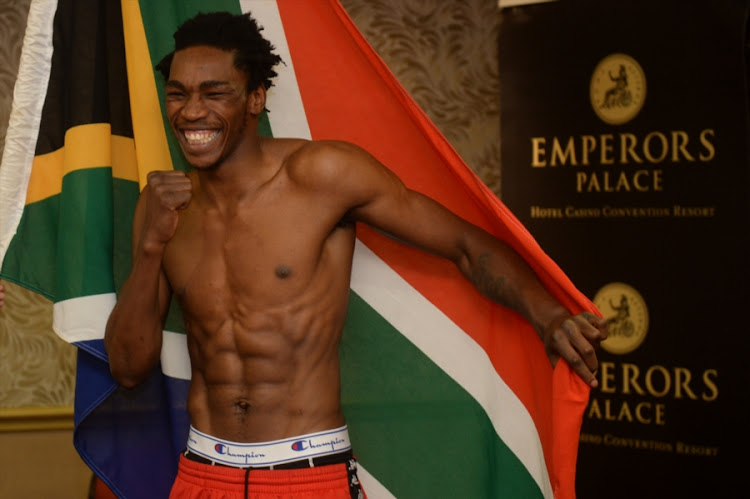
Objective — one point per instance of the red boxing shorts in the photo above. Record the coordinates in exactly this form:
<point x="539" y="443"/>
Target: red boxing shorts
<point x="207" y="471"/>
<point x="205" y="481"/>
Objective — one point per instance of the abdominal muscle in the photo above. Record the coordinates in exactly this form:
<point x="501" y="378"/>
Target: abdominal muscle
<point x="264" y="349"/>
<point x="270" y="386"/>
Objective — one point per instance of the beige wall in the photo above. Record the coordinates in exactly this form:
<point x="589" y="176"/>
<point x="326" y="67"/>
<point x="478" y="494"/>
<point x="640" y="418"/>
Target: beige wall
<point x="444" y="53"/>
<point x="41" y="465"/>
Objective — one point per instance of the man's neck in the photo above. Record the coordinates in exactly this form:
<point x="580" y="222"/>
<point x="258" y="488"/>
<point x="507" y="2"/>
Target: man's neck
<point x="241" y="175"/>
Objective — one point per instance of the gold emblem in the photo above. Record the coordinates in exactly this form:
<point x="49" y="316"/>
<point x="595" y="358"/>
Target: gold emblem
<point x="618" y="89"/>
<point x="627" y="314"/>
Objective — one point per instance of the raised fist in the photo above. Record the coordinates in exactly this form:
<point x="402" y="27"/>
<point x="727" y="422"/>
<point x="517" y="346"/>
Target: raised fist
<point x="168" y="193"/>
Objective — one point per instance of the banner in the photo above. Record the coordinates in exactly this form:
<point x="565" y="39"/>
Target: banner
<point x="625" y="152"/>
<point x="445" y="393"/>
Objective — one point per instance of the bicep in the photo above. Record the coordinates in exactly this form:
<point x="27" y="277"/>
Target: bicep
<point x="415" y="218"/>
<point x="371" y="193"/>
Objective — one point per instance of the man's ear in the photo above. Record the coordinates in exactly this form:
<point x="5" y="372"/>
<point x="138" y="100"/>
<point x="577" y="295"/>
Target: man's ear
<point x="256" y="101"/>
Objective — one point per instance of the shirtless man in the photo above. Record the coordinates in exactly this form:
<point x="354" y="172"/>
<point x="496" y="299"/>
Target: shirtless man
<point x="257" y="243"/>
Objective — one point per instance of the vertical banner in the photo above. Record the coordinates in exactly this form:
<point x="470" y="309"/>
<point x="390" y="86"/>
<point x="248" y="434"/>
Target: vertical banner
<point x="625" y="153"/>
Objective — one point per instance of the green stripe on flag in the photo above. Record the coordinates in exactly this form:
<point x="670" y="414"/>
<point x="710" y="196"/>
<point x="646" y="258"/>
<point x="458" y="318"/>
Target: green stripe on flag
<point x="84" y="236"/>
<point x="74" y="237"/>
<point x="125" y="194"/>
<point x="38" y="246"/>
<point x="410" y="419"/>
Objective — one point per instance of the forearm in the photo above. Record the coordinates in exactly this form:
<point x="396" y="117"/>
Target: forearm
<point x="133" y="336"/>
<point x="504" y="277"/>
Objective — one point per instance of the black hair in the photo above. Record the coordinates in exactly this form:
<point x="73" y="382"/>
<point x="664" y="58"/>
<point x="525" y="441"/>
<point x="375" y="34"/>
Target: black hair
<point x="240" y="34"/>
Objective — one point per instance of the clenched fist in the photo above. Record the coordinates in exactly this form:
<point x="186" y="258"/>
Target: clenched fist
<point x="168" y="193"/>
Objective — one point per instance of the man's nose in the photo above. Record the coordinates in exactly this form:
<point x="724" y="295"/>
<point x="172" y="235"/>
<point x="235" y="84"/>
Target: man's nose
<point x="194" y="108"/>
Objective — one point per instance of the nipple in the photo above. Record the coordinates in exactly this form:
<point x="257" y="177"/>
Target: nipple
<point x="283" y="271"/>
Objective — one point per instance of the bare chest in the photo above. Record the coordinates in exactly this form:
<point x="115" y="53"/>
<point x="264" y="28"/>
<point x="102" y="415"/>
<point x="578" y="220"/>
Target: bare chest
<point x="263" y="256"/>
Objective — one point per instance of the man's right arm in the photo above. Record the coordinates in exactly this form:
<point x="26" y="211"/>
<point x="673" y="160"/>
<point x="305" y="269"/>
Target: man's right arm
<point x="133" y="336"/>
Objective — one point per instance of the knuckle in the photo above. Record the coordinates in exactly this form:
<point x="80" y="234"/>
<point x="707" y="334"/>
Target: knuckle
<point x="557" y="336"/>
<point x="575" y="362"/>
<point x="154" y="176"/>
<point x="569" y="326"/>
<point x="587" y="351"/>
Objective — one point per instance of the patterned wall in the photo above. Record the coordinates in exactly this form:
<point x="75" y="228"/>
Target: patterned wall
<point x="36" y="367"/>
<point x="444" y="53"/>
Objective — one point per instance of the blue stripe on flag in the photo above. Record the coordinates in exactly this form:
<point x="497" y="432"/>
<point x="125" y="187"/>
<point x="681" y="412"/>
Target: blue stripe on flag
<point x="115" y="425"/>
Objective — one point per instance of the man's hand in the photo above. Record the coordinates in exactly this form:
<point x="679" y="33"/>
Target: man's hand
<point x="576" y="338"/>
<point x="170" y="192"/>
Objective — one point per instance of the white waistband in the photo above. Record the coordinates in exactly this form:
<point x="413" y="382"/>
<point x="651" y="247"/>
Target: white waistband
<point x="269" y="453"/>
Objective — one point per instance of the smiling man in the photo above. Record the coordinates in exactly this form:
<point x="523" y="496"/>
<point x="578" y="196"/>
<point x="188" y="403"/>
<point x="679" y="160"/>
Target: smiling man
<point x="256" y="242"/>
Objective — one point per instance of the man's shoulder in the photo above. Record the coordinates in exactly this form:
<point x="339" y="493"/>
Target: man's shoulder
<point x="316" y="149"/>
<point x="313" y="159"/>
<point x="294" y="150"/>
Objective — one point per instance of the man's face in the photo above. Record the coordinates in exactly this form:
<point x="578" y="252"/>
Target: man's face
<point x="207" y="104"/>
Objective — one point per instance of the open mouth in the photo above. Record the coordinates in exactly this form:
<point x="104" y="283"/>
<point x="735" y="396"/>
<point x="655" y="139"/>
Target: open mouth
<point x="199" y="137"/>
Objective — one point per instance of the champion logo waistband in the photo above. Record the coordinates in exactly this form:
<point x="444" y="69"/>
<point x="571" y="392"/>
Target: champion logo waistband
<point x="269" y="453"/>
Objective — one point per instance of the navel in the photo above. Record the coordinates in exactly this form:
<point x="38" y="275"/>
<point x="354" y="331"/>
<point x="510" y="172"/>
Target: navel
<point x="283" y="271"/>
<point x="241" y="407"/>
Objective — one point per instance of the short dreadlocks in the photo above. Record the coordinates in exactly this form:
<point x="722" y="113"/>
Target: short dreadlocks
<point x="240" y="34"/>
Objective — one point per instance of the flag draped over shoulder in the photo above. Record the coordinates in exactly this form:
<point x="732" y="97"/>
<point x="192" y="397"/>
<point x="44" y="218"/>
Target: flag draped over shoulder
<point x="445" y="393"/>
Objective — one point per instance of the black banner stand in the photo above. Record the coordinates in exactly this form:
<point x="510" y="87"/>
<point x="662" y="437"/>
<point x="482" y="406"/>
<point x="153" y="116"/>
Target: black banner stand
<point x="625" y="153"/>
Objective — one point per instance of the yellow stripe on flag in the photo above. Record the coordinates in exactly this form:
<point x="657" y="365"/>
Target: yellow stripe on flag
<point x="148" y="128"/>
<point x="86" y="146"/>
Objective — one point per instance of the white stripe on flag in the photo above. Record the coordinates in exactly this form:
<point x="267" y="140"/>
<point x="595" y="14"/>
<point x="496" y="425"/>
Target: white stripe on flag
<point x="284" y="102"/>
<point x="83" y="318"/>
<point x="25" y="116"/>
<point x="175" y="358"/>
<point x="452" y="350"/>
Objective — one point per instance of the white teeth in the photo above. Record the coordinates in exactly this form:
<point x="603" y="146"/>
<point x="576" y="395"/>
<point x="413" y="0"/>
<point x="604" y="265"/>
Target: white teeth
<point x="200" y="137"/>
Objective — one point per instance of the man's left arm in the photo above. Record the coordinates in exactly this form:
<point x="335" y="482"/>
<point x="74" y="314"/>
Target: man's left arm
<point x="501" y="275"/>
<point x="493" y="267"/>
